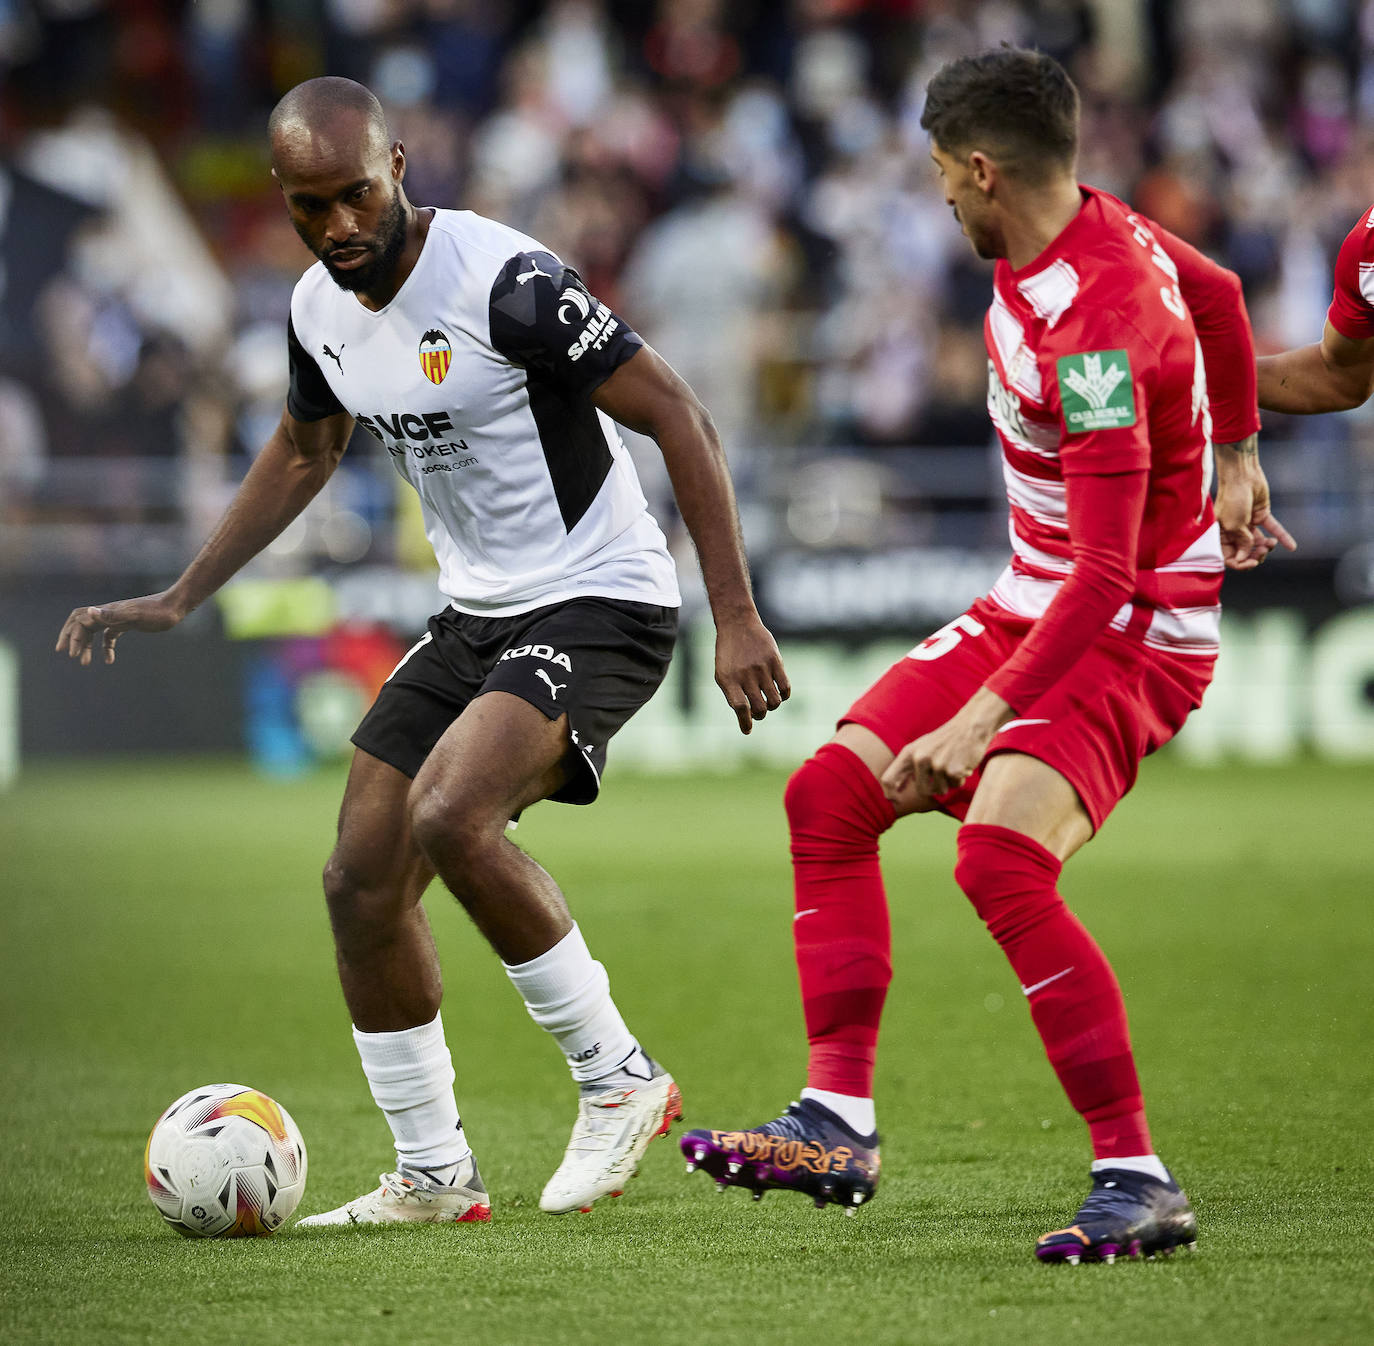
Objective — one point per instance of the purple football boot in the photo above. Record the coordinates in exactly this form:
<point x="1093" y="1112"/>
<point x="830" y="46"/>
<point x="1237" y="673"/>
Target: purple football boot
<point x="1126" y="1214"/>
<point x="808" y="1149"/>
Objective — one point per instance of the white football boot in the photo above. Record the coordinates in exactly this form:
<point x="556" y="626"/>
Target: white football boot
<point x="613" y="1129"/>
<point x="413" y="1197"/>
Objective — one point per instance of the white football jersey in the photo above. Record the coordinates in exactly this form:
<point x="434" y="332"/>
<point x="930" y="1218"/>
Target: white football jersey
<point x="477" y="379"/>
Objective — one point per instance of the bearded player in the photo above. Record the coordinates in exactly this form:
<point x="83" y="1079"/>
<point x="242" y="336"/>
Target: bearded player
<point x="1336" y="373"/>
<point x="491" y="378"/>
<point x="1026" y="717"/>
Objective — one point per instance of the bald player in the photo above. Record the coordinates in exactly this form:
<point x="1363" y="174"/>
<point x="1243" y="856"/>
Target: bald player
<point x="492" y="379"/>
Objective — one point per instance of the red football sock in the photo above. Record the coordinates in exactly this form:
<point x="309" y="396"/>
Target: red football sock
<point x="836" y="810"/>
<point x="1074" y="997"/>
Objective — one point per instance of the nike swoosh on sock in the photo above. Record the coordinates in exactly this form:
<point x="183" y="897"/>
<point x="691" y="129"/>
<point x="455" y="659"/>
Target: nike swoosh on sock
<point x="1040" y="985"/>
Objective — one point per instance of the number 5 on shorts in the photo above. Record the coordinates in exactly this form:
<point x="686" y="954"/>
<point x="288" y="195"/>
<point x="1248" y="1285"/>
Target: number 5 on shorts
<point x="947" y="637"/>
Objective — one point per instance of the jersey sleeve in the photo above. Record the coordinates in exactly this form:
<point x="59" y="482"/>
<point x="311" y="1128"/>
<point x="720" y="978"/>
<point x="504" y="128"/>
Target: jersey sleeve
<point x="1352" y="306"/>
<point x="309" y="398"/>
<point x="544" y="318"/>
<point x="1104" y="374"/>
<point x="1215" y="299"/>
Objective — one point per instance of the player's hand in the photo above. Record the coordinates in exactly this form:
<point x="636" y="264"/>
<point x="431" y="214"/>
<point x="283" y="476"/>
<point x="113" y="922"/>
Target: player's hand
<point x="945" y="758"/>
<point x="749" y="670"/>
<point x="1249" y="530"/>
<point x="155" y="612"/>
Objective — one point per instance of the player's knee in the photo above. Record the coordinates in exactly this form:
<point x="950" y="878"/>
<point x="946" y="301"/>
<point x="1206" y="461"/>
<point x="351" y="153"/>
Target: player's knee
<point x="342" y="887"/>
<point x="1007" y="879"/>
<point x="451" y="829"/>
<point x="435" y="822"/>
<point x="800" y="796"/>
<point x="836" y="806"/>
<point x="973" y="874"/>
<point x="986" y="885"/>
<point x="357" y="901"/>
<point x="834" y="800"/>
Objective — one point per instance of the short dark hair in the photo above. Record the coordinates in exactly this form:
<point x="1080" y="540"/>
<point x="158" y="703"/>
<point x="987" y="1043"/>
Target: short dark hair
<point x="1017" y="105"/>
<point x="316" y="100"/>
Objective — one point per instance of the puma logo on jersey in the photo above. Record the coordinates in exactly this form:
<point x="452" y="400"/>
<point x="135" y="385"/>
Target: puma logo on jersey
<point x="338" y="359"/>
<point x="554" y="687"/>
<point x="530" y="275"/>
<point x="545" y="652"/>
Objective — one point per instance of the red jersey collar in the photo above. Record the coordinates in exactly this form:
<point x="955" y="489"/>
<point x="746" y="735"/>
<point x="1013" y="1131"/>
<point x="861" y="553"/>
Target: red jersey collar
<point x="1066" y="243"/>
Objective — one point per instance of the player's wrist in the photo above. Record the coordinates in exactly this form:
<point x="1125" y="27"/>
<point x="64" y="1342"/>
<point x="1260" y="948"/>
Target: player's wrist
<point x="178" y="602"/>
<point x="1237" y="464"/>
<point x="737" y="610"/>
<point x="1238" y="453"/>
<point x="989" y="711"/>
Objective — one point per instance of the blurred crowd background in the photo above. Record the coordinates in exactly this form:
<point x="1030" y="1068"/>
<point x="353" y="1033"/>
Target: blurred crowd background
<point x="746" y="182"/>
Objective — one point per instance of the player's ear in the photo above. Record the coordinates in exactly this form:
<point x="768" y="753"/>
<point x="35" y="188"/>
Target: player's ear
<point x="982" y="170"/>
<point x="398" y="161"/>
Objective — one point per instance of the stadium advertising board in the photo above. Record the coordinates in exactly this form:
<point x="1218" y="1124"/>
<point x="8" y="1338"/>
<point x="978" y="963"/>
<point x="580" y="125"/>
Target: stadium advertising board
<point x="283" y="669"/>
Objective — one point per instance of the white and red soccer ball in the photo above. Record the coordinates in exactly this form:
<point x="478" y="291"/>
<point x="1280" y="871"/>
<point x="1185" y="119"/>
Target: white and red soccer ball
<point x="225" y="1161"/>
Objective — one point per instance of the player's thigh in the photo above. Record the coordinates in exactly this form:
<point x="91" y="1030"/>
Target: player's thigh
<point x="1058" y="772"/>
<point x="375" y="863"/>
<point x="501" y="755"/>
<point x="924" y="689"/>
<point x="591" y="663"/>
<point x="1029" y="796"/>
<point x="426" y="692"/>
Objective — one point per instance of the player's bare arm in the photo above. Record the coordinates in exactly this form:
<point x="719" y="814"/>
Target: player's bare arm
<point x="646" y="395"/>
<point x="1249" y="530"/>
<point x="297" y="460"/>
<point x="1335" y="374"/>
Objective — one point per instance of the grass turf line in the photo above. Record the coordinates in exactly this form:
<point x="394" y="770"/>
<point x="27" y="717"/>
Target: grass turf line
<point x="161" y="927"/>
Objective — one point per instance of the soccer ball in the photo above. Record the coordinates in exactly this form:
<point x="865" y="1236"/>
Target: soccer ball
<point x="225" y="1161"/>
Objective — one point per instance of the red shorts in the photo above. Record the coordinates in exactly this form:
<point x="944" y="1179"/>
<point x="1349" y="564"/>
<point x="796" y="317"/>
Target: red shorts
<point x="1117" y="704"/>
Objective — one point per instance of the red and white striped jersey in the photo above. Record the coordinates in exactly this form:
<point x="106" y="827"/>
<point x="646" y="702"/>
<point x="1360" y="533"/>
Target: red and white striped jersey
<point x="1352" y="305"/>
<point x="1095" y="368"/>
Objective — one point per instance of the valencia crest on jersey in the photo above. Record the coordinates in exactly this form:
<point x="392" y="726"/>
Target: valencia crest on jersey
<point x="435" y="355"/>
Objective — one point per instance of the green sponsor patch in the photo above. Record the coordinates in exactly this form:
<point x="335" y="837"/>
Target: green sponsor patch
<point x="1096" y="391"/>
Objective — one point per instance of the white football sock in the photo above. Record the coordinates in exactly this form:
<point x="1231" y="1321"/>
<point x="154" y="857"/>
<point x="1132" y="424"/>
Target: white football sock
<point x="856" y="1113"/>
<point x="410" y="1074"/>
<point x="568" y="994"/>
<point x="1135" y="1163"/>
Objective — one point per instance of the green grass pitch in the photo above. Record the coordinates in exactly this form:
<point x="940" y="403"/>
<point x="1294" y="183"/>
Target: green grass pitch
<point x="160" y="927"/>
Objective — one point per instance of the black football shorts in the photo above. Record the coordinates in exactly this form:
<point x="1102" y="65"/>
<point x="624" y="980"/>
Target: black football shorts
<point x="595" y="660"/>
